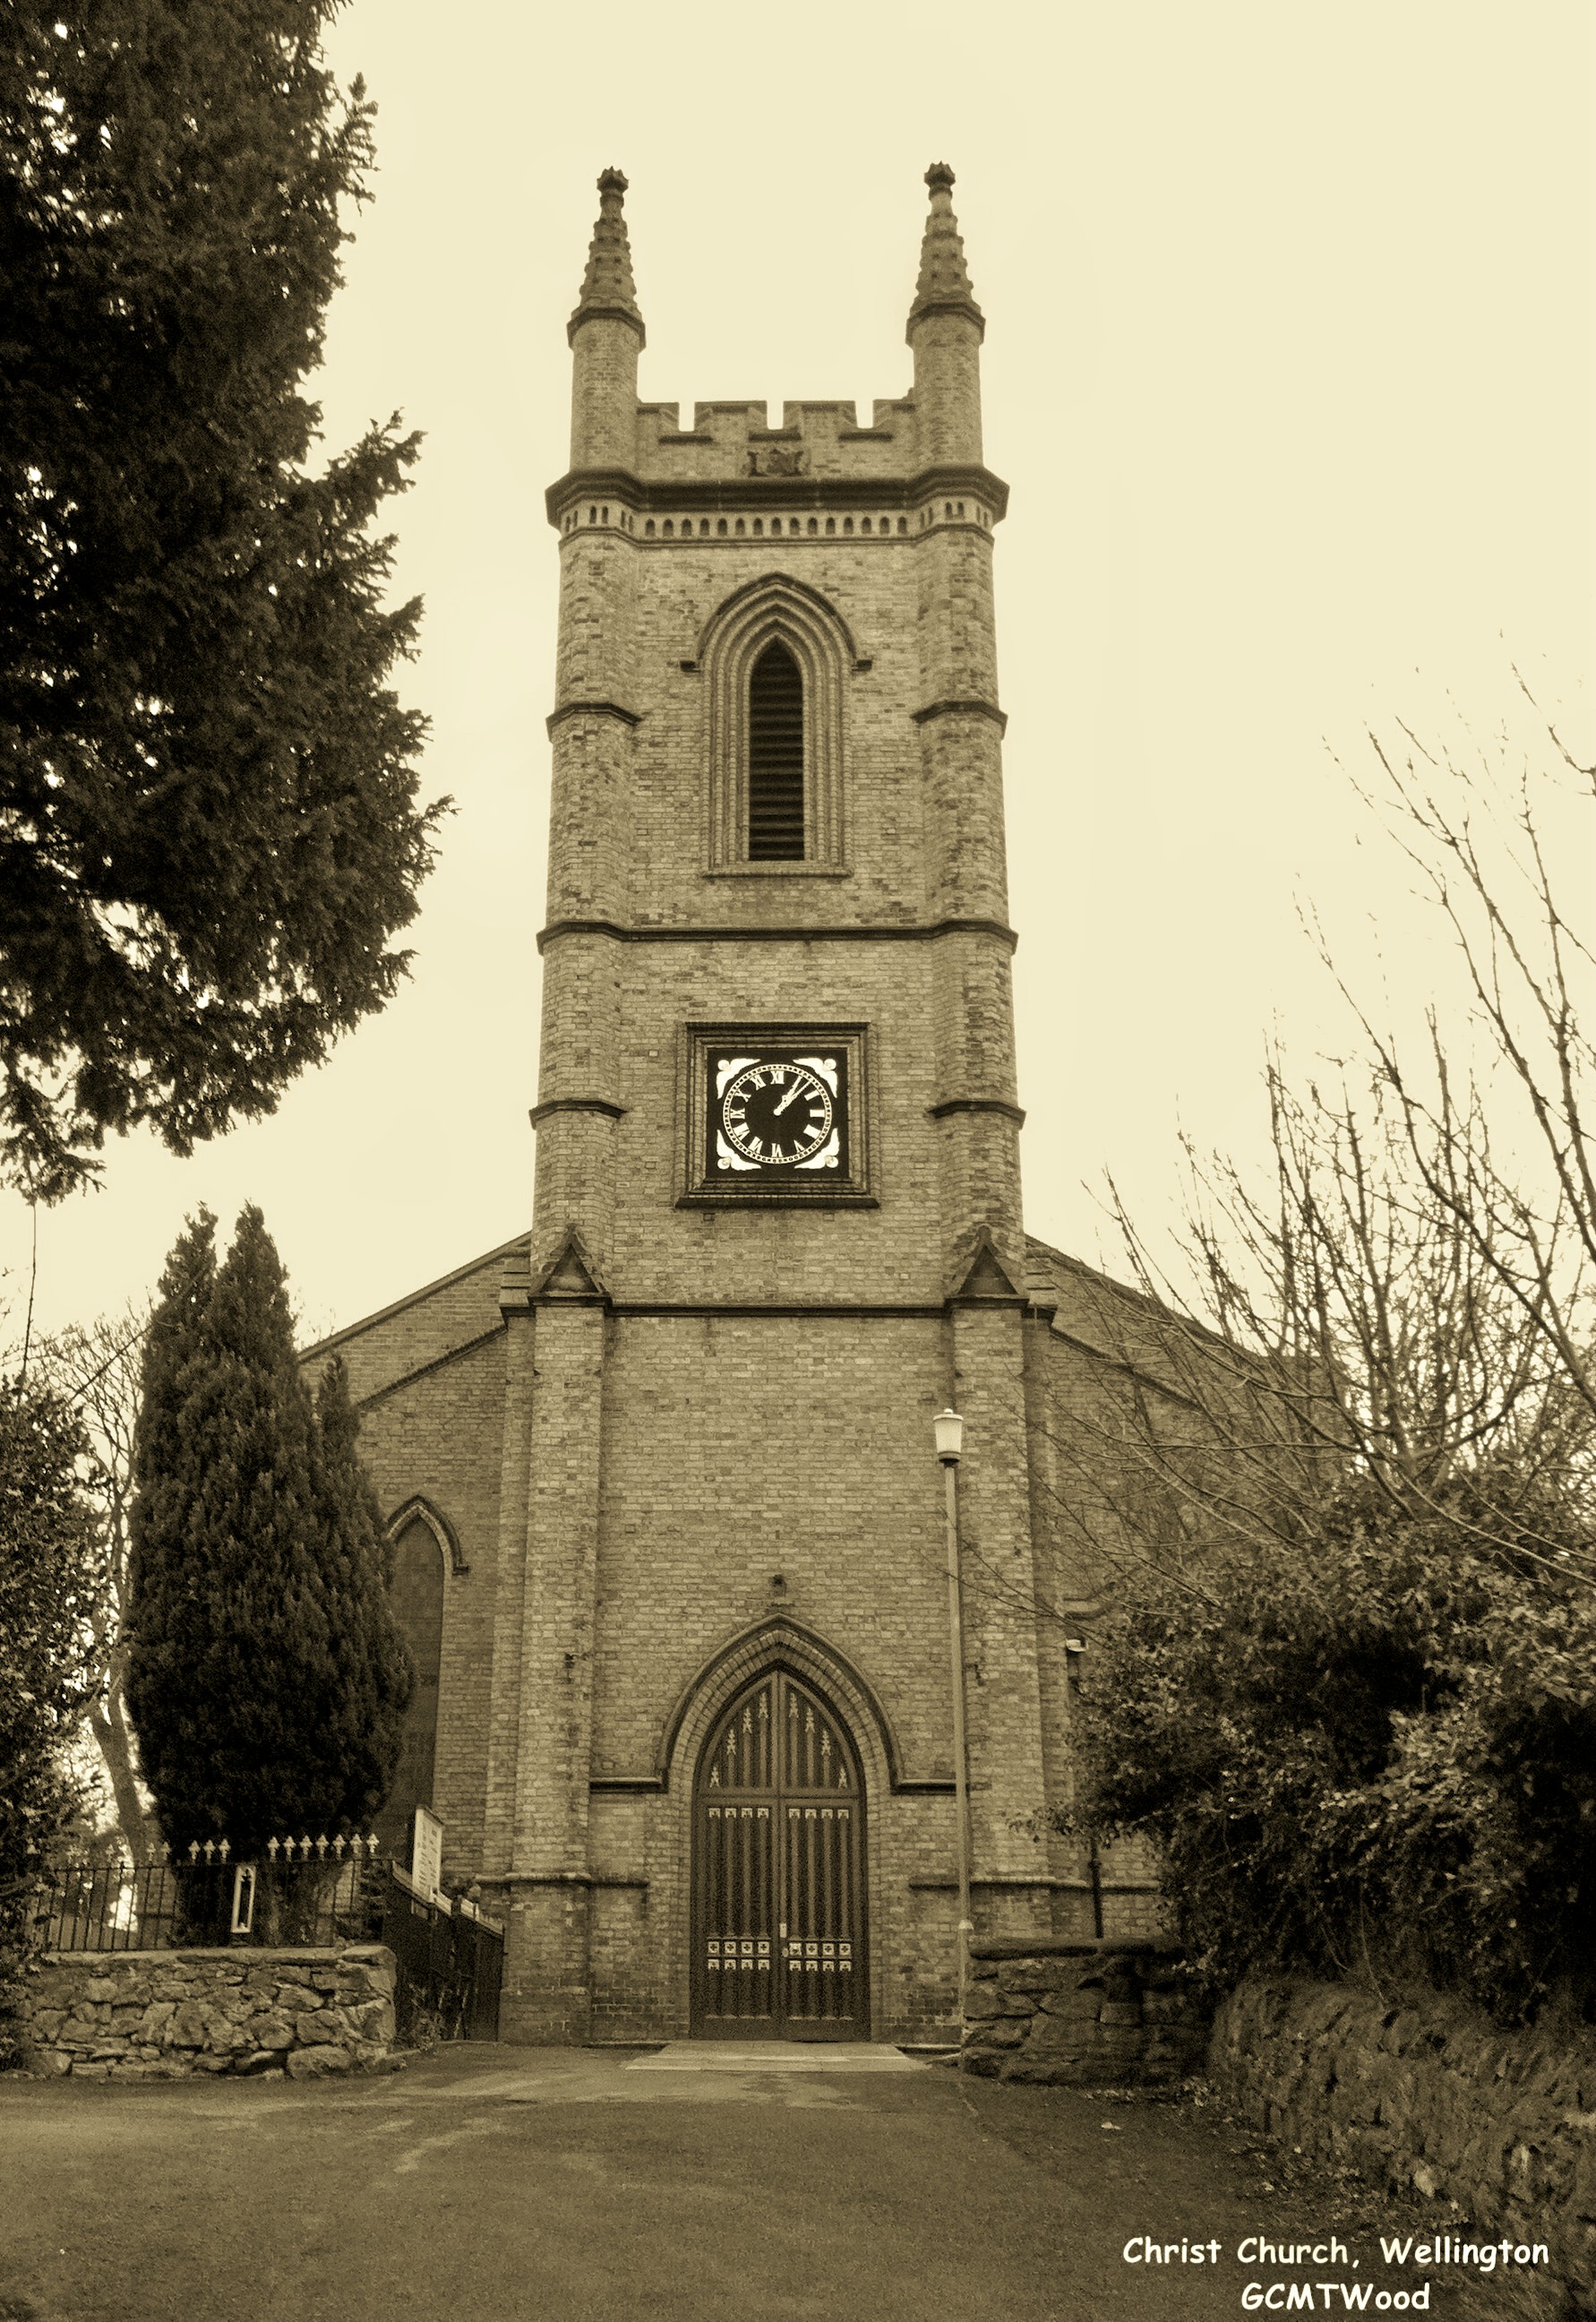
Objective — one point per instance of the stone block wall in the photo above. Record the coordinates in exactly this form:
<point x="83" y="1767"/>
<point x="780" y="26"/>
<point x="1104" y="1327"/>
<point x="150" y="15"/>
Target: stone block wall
<point x="1080" y="2014"/>
<point x="1431" y="2094"/>
<point x="141" y="2015"/>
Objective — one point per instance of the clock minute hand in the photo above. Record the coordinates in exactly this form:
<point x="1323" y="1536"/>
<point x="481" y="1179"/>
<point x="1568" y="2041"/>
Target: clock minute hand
<point x="787" y="1098"/>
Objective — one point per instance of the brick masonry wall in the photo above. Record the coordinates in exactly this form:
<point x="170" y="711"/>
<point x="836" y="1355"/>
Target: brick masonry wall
<point x="659" y="1251"/>
<point x="428" y="1326"/>
<point x="153" y="2016"/>
<point x="742" y="1449"/>
<point x="439" y="1437"/>
<point x="1428" y="2093"/>
<point x="1080" y="2015"/>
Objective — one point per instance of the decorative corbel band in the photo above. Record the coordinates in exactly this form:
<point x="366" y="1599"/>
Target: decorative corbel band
<point x="708" y="494"/>
<point x="575" y="1104"/>
<point x="626" y="314"/>
<point x="1014" y="1113"/>
<point x="591" y="710"/>
<point x="947" y="708"/>
<point x="925" y="932"/>
<point x="965" y="307"/>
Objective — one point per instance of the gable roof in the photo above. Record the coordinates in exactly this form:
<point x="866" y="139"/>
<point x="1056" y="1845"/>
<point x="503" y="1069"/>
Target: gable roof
<point x="337" y="1340"/>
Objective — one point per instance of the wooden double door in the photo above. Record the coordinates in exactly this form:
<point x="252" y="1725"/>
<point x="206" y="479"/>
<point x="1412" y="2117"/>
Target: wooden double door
<point x="779" y="1925"/>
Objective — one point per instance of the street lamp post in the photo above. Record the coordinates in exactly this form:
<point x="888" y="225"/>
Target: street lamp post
<point x="949" y="1430"/>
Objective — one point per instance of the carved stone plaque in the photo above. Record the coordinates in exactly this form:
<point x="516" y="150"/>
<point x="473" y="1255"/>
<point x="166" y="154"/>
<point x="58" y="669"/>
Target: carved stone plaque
<point x="778" y="460"/>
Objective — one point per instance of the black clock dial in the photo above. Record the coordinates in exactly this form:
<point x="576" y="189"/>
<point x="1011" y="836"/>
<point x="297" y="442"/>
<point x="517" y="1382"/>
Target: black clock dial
<point x="781" y="1113"/>
<point x="777" y="1113"/>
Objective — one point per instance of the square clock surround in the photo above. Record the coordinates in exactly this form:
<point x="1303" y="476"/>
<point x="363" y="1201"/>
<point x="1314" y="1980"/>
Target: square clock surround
<point x="776" y="1113"/>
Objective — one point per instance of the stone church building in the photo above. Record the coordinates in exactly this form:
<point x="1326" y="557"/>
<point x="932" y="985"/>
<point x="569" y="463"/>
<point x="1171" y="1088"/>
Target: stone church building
<point x="660" y="1477"/>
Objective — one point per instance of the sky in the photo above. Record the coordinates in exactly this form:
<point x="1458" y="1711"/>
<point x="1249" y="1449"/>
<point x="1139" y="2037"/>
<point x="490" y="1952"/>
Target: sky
<point x="1287" y="367"/>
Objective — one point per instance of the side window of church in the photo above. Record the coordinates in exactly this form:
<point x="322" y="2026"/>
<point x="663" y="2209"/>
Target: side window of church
<point x="776" y="757"/>
<point x="417" y="1601"/>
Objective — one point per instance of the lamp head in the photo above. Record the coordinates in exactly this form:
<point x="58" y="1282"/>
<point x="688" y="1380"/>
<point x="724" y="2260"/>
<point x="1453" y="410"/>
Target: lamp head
<point x="949" y="1430"/>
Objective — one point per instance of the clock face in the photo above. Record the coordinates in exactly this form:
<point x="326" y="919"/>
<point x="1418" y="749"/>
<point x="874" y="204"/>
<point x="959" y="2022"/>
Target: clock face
<point x="775" y="1112"/>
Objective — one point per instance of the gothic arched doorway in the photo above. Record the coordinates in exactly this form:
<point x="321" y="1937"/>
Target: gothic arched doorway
<point x="779" y="1929"/>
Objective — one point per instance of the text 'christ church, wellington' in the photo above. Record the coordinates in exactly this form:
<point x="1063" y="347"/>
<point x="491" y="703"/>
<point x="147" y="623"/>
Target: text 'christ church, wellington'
<point x="668" y="1518"/>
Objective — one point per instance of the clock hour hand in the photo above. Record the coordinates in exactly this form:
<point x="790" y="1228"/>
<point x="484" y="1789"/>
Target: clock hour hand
<point x="787" y="1098"/>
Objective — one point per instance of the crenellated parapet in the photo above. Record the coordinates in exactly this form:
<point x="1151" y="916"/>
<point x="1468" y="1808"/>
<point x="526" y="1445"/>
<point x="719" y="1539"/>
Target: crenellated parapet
<point x="914" y="466"/>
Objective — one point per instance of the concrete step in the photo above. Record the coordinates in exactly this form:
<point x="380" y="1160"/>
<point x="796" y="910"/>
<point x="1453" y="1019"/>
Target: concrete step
<point x="777" y="2056"/>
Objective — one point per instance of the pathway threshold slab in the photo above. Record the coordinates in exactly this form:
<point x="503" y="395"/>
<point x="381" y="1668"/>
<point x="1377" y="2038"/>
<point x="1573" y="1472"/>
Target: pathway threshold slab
<point x="777" y="2056"/>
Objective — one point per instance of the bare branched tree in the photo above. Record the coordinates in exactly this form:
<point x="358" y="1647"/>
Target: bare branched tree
<point x="96" y="1368"/>
<point x="1476" y="835"/>
<point x="1406" y="1295"/>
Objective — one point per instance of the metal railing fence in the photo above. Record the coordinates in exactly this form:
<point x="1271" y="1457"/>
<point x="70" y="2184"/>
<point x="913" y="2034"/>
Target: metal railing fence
<point x="451" y="1963"/>
<point x="314" y="1891"/>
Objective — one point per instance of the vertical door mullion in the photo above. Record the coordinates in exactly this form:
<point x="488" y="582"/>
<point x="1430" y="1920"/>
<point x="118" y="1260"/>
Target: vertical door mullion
<point x="782" y="1850"/>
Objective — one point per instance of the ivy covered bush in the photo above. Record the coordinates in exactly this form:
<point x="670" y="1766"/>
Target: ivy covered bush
<point x="1373" y="1753"/>
<point x="52" y="1581"/>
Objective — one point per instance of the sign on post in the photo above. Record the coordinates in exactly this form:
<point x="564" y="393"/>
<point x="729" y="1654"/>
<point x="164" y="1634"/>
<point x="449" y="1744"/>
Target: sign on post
<point x="426" y="1854"/>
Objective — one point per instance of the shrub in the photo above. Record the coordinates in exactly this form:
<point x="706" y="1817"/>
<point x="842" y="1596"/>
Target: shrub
<point x="1375" y="1752"/>
<point x="52" y="1575"/>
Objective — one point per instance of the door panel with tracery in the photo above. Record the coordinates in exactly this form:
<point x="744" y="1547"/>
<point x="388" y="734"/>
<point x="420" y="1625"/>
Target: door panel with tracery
<point x="778" y="1872"/>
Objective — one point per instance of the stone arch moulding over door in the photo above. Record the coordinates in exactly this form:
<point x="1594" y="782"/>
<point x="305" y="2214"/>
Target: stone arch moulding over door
<point x="424" y="1552"/>
<point x="778" y="610"/>
<point x="779" y="1639"/>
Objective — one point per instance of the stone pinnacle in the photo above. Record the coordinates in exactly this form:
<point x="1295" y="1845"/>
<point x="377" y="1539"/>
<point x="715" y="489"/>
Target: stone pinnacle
<point x="944" y="278"/>
<point x="607" y="287"/>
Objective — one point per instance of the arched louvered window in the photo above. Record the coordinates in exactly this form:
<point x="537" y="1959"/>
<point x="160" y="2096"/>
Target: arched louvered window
<point x="776" y="757"/>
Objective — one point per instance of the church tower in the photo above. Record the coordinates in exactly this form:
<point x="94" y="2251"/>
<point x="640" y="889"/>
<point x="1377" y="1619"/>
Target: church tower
<point x="778" y="1210"/>
<point x="666" y="1510"/>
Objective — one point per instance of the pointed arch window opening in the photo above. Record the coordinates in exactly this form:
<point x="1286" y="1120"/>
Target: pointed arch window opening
<point x="776" y="660"/>
<point x="776" y="755"/>
<point x="415" y="1596"/>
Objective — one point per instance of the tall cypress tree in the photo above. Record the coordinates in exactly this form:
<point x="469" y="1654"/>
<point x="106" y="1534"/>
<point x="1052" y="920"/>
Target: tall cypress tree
<point x="265" y="1679"/>
<point x="374" y="1675"/>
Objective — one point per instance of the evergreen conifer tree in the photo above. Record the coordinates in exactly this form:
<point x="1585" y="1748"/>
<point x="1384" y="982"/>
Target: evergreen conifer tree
<point x="209" y="830"/>
<point x="373" y="1671"/>
<point x="265" y="1679"/>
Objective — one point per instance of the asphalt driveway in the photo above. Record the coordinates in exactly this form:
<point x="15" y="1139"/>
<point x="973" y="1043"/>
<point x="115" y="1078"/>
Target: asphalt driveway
<point x="489" y="2184"/>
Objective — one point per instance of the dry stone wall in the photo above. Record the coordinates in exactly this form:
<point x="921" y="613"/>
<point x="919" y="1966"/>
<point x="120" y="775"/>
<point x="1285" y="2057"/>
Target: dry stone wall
<point x="132" y="2016"/>
<point x="1434" y="2096"/>
<point x="1079" y="2013"/>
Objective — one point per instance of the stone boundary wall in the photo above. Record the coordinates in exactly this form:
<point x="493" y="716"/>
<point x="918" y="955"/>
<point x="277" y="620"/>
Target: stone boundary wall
<point x="145" y="2015"/>
<point x="1431" y="2094"/>
<point x="1079" y="2013"/>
